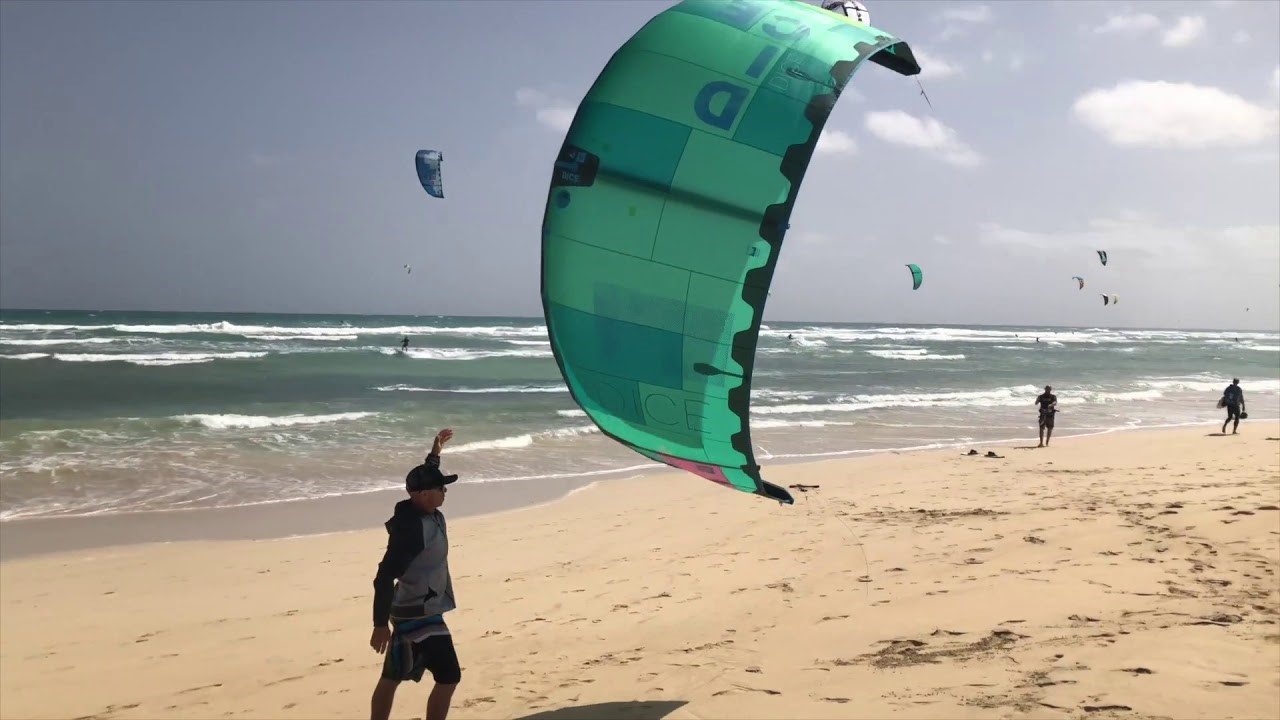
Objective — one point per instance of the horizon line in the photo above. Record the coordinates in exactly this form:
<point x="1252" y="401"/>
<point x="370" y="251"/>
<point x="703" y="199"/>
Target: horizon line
<point x="541" y="317"/>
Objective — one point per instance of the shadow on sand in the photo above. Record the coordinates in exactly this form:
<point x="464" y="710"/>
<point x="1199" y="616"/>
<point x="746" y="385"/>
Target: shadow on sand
<point x="625" y="710"/>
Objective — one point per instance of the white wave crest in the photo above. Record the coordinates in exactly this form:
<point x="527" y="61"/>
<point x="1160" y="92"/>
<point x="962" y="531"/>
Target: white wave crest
<point x="516" y="442"/>
<point x="157" y="359"/>
<point x="463" y="354"/>
<point x="238" y="422"/>
<point x="401" y="387"/>
<point x="912" y="354"/>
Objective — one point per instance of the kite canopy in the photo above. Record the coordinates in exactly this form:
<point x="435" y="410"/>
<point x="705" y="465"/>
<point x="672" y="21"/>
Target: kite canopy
<point x="666" y="213"/>
<point x="916" y="276"/>
<point x="1080" y="280"/>
<point x="428" y="164"/>
<point x="1102" y="255"/>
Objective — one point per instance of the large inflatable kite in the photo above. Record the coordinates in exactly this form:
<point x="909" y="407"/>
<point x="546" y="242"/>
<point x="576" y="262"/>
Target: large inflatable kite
<point x="666" y="213"/>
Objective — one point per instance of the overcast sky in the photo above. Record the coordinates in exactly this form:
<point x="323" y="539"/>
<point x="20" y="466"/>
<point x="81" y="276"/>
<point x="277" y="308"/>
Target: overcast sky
<point x="258" y="156"/>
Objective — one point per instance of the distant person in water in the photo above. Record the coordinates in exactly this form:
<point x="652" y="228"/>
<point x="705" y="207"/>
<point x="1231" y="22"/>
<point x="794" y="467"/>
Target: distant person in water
<point x="404" y="343"/>
<point x="1233" y="401"/>
<point x="1048" y="403"/>
<point x="413" y="590"/>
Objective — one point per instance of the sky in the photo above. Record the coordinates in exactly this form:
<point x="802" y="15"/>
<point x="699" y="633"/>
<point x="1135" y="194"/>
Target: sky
<point x="258" y="156"/>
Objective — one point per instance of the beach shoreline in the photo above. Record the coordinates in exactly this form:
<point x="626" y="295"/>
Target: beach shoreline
<point x="25" y="537"/>
<point x="1133" y="570"/>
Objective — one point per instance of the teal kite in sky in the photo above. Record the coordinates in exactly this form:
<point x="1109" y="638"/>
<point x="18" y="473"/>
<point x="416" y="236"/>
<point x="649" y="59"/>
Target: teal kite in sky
<point x="667" y="208"/>
<point x="1102" y="255"/>
<point x="917" y="277"/>
<point x="428" y="164"/>
<point x="1080" y="280"/>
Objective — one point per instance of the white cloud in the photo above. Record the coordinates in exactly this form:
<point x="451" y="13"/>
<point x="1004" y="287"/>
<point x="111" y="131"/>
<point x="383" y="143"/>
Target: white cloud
<point x="903" y="128"/>
<point x="974" y="14"/>
<point x="1258" y="157"/>
<point x="1275" y="79"/>
<point x="1016" y="61"/>
<point x="1182" y="33"/>
<point x="1241" y="38"/>
<point x="258" y="159"/>
<point x="1136" y="236"/>
<point x="835" y="142"/>
<point x="1186" y="31"/>
<point x="1131" y="24"/>
<point x="551" y="112"/>
<point x="934" y="67"/>
<point x="960" y="19"/>
<point x="1164" y="114"/>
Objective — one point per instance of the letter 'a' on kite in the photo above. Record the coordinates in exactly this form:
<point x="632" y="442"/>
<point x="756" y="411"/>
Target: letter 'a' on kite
<point x="428" y="164"/>
<point x="917" y="277"/>
<point x="1102" y="255"/>
<point x="666" y="212"/>
<point x="1080" y="280"/>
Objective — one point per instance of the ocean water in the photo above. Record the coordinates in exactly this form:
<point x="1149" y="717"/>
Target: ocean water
<point x="107" y="412"/>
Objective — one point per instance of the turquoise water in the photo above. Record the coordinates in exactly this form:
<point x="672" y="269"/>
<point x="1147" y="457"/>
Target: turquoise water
<point x="112" y="411"/>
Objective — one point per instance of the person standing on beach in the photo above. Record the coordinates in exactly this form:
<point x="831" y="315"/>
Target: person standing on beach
<point x="413" y="590"/>
<point x="1233" y="401"/>
<point x="1048" y="403"/>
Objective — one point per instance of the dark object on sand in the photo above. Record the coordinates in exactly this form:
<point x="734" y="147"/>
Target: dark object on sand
<point x="972" y="452"/>
<point x="992" y="454"/>
<point x="803" y="488"/>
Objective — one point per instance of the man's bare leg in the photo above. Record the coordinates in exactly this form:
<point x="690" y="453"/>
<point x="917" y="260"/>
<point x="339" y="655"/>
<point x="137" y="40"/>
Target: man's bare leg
<point x="1048" y="434"/>
<point x="438" y="701"/>
<point x="383" y="696"/>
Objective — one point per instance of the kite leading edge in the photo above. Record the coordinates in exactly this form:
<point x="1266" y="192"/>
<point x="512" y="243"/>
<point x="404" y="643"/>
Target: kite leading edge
<point x="666" y="212"/>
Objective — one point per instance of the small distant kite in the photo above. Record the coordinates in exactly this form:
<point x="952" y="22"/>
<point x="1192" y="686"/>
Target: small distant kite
<point x="408" y="269"/>
<point x="1102" y="255"/>
<point x="916" y="276"/>
<point x="1080" y="280"/>
<point x="1110" y="299"/>
<point x="428" y="164"/>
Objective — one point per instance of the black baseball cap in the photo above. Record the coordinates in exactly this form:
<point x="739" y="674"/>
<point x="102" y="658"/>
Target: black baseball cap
<point x="427" y="477"/>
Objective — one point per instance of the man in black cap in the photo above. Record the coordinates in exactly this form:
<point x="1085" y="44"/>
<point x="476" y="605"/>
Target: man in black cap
<point x="413" y="590"/>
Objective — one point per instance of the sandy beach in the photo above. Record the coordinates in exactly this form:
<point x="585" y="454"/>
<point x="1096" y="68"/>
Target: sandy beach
<point x="1130" y="574"/>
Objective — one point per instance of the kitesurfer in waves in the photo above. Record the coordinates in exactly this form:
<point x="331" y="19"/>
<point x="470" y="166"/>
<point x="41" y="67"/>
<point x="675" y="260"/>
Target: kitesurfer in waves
<point x="413" y="590"/>
<point x="404" y="344"/>
<point x="1048" y="403"/>
<point x="1233" y="401"/>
